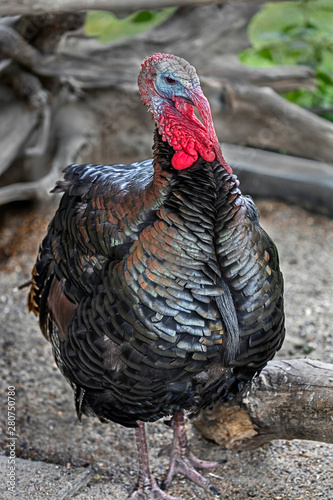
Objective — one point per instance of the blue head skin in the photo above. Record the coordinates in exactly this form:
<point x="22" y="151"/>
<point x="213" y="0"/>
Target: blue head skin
<point x="170" y="87"/>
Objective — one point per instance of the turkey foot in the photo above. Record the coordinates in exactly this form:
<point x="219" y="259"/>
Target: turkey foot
<point x="182" y="461"/>
<point x="147" y="487"/>
<point x="152" y="491"/>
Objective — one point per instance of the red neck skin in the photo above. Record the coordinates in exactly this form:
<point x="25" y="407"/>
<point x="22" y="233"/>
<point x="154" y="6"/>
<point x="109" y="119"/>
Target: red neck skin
<point x="184" y="132"/>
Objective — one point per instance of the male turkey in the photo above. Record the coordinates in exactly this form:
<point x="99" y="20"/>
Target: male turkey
<point x="155" y="283"/>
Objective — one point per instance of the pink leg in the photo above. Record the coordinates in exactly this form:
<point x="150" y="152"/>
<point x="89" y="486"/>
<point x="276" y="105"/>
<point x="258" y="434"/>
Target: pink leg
<point x="147" y="487"/>
<point x="182" y="461"/>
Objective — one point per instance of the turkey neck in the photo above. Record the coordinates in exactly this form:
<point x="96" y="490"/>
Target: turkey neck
<point x="197" y="182"/>
<point x="189" y="205"/>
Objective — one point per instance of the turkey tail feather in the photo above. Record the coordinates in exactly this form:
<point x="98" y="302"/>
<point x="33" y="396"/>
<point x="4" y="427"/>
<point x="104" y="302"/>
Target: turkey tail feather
<point x="227" y="309"/>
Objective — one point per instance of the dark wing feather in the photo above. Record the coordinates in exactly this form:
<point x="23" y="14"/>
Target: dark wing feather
<point x="101" y="214"/>
<point x="251" y="209"/>
<point x="249" y="264"/>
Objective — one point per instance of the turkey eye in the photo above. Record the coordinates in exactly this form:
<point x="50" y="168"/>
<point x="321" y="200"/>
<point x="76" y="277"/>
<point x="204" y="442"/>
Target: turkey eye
<point x="170" y="81"/>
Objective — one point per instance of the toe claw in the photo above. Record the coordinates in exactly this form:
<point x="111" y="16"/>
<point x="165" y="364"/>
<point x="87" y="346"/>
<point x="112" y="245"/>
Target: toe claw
<point x="151" y="491"/>
<point x="204" y="464"/>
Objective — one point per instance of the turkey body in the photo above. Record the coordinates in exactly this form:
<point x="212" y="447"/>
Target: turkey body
<point x="129" y="282"/>
<point x="155" y="283"/>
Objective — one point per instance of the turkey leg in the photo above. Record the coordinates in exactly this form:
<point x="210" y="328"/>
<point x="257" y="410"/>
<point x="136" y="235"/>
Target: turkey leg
<point x="182" y="460"/>
<point x="147" y="486"/>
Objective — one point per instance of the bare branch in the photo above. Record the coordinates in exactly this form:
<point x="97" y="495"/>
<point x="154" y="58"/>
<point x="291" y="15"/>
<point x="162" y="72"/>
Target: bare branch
<point x="308" y="183"/>
<point x="35" y="7"/>
<point x="75" y="128"/>
<point x="16" y="126"/>
<point x="279" y="78"/>
<point x="38" y="190"/>
<point x="15" y="47"/>
<point x="259" y="117"/>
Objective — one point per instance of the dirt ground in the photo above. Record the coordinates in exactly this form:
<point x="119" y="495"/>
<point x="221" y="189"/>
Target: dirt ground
<point x="47" y="428"/>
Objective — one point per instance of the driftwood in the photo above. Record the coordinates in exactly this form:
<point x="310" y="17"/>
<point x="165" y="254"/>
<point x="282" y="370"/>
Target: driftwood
<point x="75" y="129"/>
<point x="292" y="179"/>
<point x="42" y="6"/>
<point x="49" y="64"/>
<point x="259" y="117"/>
<point x="193" y="33"/>
<point x="289" y="400"/>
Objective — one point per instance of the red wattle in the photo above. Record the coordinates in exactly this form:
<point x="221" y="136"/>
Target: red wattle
<point x="185" y="134"/>
<point x="208" y="155"/>
<point x="182" y="160"/>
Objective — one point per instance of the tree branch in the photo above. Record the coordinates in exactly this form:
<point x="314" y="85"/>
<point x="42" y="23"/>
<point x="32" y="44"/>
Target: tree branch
<point x="75" y="128"/>
<point x="35" y="7"/>
<point x="290" y="399"/>
<point x="259" y="117"/>
<point x="16" y="126"/>
<point x="264" y="174"/>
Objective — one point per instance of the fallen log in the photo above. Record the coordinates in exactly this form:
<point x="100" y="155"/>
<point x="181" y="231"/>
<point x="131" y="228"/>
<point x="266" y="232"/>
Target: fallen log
<point x="279" y="78"/>
<point x="259" y="117"/>
<point x="292" y="179"/>
<point x="291" y="399"/>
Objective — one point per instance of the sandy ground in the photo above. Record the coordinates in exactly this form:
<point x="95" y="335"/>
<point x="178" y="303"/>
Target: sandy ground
<point x="47" y="428"/>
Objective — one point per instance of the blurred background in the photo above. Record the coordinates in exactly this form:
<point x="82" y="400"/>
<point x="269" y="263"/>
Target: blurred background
<point x="68" y="85"/>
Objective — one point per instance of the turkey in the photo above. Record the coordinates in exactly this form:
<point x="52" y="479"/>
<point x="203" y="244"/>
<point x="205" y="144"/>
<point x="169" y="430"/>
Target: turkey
<point x="155" y="284"/>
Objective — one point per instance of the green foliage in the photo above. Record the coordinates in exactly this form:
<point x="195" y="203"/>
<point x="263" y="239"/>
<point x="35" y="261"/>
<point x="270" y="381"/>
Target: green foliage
<point x="108" y="28"/>
<point x="296" y="33"/>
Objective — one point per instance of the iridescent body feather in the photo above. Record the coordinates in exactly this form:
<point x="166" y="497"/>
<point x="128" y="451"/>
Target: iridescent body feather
<point x="155" y="283"/>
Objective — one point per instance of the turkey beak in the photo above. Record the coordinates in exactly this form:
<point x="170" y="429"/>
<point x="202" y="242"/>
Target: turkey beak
<point x="202" y="105"/>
